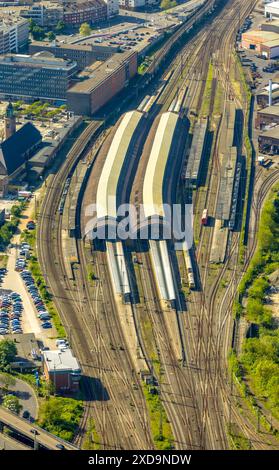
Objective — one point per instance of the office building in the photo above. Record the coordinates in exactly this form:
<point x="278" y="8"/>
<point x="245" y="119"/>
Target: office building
<point x="41" y="76"/>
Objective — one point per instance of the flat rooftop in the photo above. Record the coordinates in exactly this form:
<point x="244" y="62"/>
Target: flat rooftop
<point x="62" y="45"/>
<point x="61" y="360"/>
<point x="40" y="59"/>
<point x="272" y="43"/>
<point x="100" y="74"/>
<point x="272" y="4"/>
<point x="272" y="110"/>
<point x="271" y="133"/>
<point x="265" y="36"/>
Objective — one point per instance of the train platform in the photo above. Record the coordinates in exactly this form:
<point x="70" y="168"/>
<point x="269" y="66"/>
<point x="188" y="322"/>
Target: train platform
<point x="219" y="243"/>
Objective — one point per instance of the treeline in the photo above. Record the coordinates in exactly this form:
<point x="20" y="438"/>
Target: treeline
<point x="259" y="360"/>
<point x="255" y="283"/>
<point x="9" y="228"/>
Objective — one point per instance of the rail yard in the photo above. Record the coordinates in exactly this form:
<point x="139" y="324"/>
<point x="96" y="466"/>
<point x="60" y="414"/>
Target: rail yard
<point x="146" y="293"/>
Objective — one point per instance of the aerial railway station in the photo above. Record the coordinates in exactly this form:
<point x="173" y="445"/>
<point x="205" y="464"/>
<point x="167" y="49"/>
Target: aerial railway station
<point x="160" y="164"/>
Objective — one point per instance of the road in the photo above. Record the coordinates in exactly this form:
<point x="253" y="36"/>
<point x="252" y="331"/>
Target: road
<point x="8" y="443"/>
<point x="26" y="396"/>
<point x="24" y="427"/>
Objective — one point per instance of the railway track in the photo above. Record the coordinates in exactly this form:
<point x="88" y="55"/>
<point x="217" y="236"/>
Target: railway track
<point x="205" y="338"/>
<point x="72" y="301"/>
<point x="177" y="394"/>
<point x="191" y="431"/>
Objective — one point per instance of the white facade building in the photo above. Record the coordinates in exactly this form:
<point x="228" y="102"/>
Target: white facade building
<point x="112" y="7"/>
<point x="271" y="10"/>
<point x="132" y="4"/>
<point x="14" y="34"/>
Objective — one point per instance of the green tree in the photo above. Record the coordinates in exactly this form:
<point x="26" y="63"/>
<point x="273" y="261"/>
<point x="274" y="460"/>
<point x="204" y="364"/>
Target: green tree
<point x="38" y="33"/>
<point x="51" y="36"/>
<point x="167" y="4"/>
<point x="12" y="403"/>
<point x="7" y="381"/>
<point x="61" y="416"/>
<point x="60" y="26"/>
<point x="84" y="29"/>
<point x="8" y="353"/>
<point x="16" y="211"/>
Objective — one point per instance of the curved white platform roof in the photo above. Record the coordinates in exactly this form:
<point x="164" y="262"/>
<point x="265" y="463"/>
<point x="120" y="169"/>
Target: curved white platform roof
<point x="108" y="182"/>
<point x="156" y="167"/>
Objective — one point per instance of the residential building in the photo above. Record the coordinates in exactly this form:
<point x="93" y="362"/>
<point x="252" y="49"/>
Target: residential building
<point x="92" y="12"/>
<point x="112" y="7"/>
<point x="44" y="15"/>
<point x="41" y="76"/>
<point x="62" y="369"/>
<point x="132" y="4"/>
<point x="14" y="32"/>
<point x="91" y="93"/>
<point x="83" y="55"/>
<point x="271" y="10"/>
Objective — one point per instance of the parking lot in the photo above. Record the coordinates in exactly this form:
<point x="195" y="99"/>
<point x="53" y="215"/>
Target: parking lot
<point x="23" y="310"/>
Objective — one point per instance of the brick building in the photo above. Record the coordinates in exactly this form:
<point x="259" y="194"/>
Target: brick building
<point x="92" y="11"/>
<point x="90" y="94"/>
<point x="62" y="369"/>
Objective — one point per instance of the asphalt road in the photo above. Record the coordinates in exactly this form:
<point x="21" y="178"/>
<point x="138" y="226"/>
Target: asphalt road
<point x="7" y="443"/>
<point x="26" y="395"/>
<point x="24" y="427"/>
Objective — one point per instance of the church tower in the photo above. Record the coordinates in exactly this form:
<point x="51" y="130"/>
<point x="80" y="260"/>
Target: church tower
<point x="10" y="121"/>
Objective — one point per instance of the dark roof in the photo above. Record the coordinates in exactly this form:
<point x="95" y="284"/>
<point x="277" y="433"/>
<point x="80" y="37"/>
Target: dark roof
<point x="14" y="149"/>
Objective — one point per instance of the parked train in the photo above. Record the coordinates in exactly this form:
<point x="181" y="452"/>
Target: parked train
<point x="204" y="218"/>
<point x="64" y="195"/>
<point x="189" y="269"/>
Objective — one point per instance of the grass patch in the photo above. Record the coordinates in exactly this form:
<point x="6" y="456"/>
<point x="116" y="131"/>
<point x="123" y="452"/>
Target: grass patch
<point x="90" y="273"/>
<point x="3" y="261"/>
<point x="92" y="439"/>
<point x="207" y="91"/>
<point x="61" y="416"/>
<point x="265" y="259"/>
<point x="218" y="100"/>
<point x="163" y="439"/>
<point x="237" y="440"/>
<point x="259" y="360"/>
